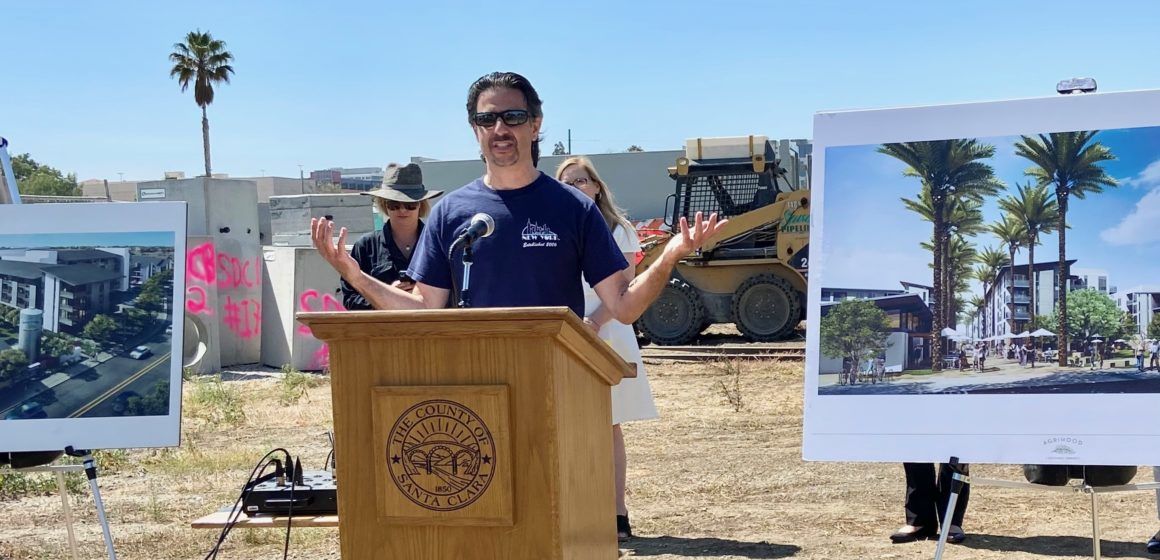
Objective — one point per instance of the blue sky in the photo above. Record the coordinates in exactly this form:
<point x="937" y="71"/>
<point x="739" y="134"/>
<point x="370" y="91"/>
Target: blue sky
<point x="871" y="239"/>
<point x="85" y="87"/>
<point x="100" y="239"/>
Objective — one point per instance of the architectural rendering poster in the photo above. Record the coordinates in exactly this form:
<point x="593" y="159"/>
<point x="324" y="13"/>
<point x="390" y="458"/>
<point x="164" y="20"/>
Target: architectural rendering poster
<point x="988" y="283"/>
<point x="91" y="325"/>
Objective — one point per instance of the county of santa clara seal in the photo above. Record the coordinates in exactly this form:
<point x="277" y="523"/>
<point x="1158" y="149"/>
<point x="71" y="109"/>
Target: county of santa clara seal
<point x="441" y="455"/>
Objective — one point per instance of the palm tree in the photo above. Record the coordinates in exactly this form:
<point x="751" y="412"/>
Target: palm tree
<point x="948" y="170"/>
<point x="203" y="60"/>
<point x="1013" y="235"/>
<point x="991" y="260"/>
<point x="1039" y="213"/>
<point x="1070" y="161"/>
<point x="964" y="218"/>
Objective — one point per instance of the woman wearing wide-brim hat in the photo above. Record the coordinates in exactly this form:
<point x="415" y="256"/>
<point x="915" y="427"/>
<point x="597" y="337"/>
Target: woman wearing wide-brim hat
<point x="386" y="254"/>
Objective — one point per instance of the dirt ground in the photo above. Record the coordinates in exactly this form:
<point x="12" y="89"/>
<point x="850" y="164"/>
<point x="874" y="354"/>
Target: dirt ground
<point x="705" y="481"/>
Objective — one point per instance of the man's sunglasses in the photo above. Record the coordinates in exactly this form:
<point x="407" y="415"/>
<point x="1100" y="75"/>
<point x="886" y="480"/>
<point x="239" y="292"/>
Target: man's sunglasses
<point x="514" y="117"/>
<point x="396" y="206"/>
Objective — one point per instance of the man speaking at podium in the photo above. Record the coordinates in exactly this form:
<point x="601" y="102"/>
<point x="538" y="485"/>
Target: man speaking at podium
<point x="544" y="235"/>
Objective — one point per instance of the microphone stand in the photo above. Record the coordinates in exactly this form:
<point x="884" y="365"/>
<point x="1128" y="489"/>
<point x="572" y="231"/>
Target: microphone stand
<point x="468" y="258"/>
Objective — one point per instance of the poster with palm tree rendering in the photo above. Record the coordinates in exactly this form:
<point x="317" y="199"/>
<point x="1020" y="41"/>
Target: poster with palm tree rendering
<point x="987" y="278"/>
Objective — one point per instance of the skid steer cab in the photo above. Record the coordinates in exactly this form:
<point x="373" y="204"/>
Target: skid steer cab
<point x="754" y="273"/>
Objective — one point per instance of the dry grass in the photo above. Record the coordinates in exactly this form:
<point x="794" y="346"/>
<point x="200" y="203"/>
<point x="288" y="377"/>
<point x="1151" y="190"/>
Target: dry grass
<point x="705" y="482"/>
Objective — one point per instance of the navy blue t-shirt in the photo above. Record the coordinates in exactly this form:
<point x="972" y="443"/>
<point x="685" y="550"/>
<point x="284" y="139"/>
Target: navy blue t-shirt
<point x="546" y="235"/>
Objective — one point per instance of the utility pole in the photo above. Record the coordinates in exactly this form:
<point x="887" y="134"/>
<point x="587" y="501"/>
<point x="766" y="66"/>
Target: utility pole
<point x="569" y="141"/>
<point x="301" y="178"/>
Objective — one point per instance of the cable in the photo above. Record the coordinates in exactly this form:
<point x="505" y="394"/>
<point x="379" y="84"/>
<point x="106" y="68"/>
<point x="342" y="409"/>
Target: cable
<point x="235" y="513"/>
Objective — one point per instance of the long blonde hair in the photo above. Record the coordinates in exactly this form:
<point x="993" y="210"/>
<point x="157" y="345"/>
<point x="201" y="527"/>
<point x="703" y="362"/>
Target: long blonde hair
<point x="613" y="214"/>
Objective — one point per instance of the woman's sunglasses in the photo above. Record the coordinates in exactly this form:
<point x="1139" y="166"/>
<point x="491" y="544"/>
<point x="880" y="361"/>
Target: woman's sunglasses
<point x="396" y="206"/>
<point x="514" y="117"/>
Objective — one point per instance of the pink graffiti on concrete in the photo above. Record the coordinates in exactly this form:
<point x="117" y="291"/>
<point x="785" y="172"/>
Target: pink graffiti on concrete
<point x="321" y="358"/>
<point x="312" y="300"/>
<point x="243" y="317"/>
<point x="207" y="268"/>
<point x="195" y="301"/>
<point x="234" y="272"/>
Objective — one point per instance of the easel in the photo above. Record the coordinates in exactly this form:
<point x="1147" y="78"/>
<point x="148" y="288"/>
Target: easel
<point x="1081" y="488"/>
<point x="11" y="195"/>
<point x="960" y="479"/>
<point x="59" y="471"/>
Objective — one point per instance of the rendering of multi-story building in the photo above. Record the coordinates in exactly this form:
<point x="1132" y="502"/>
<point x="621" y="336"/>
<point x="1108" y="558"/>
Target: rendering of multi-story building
<point x="1007" y="308"/>
<point x="840" y="294"/>
<point x="1092" y="279"/>
<point x="143" y="267"/>
<point x="1142" y="303"/>
<point x="70" y="286"/>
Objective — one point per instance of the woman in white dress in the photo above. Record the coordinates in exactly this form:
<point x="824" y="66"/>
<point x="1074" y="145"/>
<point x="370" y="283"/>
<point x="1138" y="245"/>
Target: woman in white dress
<point x="632" y="398"/>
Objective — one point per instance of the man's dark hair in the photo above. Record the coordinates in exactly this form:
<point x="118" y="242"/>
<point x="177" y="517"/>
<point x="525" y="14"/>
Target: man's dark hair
<point x="509" y="80"/>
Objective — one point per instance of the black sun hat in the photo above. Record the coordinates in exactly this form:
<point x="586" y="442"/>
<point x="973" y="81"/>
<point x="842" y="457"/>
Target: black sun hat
<point x="403" y="184"/>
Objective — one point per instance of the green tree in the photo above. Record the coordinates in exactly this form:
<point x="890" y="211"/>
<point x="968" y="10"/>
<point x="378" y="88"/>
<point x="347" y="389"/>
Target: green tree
<point x="855" y="330"/>
<point x="559" y="149"/>
<point x="1091" y="313"/>
<point x="1071" y="162"/>
<point x="1038" y="213"/>
<point x="37" y="179"/>
<point x="1128" y="328"/>
<point x="56" y="344"/>
<point x="634" y="148"/>
<point x="150" y="301"/>
<point x="101" y="328"/>
<point x="948" y="170"/>
<point x="156" y="403"/>
<point x="13" y="361"/>
<point x="204" y="61"/>
<point x="1154" y="327"/>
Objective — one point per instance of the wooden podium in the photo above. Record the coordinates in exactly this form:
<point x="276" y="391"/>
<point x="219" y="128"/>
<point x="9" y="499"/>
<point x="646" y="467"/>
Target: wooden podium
<point x="476" y="433"/>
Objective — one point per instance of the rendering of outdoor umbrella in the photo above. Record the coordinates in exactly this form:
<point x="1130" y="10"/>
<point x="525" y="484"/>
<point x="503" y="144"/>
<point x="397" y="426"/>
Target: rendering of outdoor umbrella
<point x="949" y="332"/>
<point x="1042" y="332"/>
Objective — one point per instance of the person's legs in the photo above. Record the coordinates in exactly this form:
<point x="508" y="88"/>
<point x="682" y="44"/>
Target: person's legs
<point x="920" y="495"/>
<point x="620" y="465"/>
<point x="619" y="459"/>
<point x="945" y="481"/>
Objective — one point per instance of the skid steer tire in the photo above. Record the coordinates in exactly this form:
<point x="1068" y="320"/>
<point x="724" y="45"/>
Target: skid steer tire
<point x="676" y="317"/>
<point x="765" y="308"/>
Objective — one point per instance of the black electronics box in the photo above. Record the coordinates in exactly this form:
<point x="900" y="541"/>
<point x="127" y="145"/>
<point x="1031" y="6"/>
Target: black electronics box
<point x="314" y="494"/>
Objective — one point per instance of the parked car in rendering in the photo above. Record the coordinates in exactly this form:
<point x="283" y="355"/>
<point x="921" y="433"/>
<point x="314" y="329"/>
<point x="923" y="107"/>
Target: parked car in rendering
<point x="27" y="410"/>
<point x="140" y="353"/>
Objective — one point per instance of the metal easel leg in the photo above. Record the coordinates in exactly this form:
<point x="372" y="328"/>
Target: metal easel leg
<point x="68" y="518"/>
<point x="958" y="480"/>
<point x="1095" y="525"/>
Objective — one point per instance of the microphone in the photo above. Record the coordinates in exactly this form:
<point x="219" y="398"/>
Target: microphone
<point x="481" y="225"/>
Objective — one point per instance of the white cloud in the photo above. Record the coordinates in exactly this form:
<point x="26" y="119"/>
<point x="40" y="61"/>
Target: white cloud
<point x="1149" y="177"/>
<point x="1142" y="225"/>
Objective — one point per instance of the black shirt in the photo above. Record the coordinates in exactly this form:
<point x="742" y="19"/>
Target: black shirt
<point x="379" y="256"/>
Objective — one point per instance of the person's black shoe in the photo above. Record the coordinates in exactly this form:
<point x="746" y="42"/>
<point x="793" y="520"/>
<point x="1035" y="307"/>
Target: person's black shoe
<point x="623" y="529"/>
<point x="1154" y="543"/>
<point x="956" y="537"/>
<point x="919" y="533"/>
